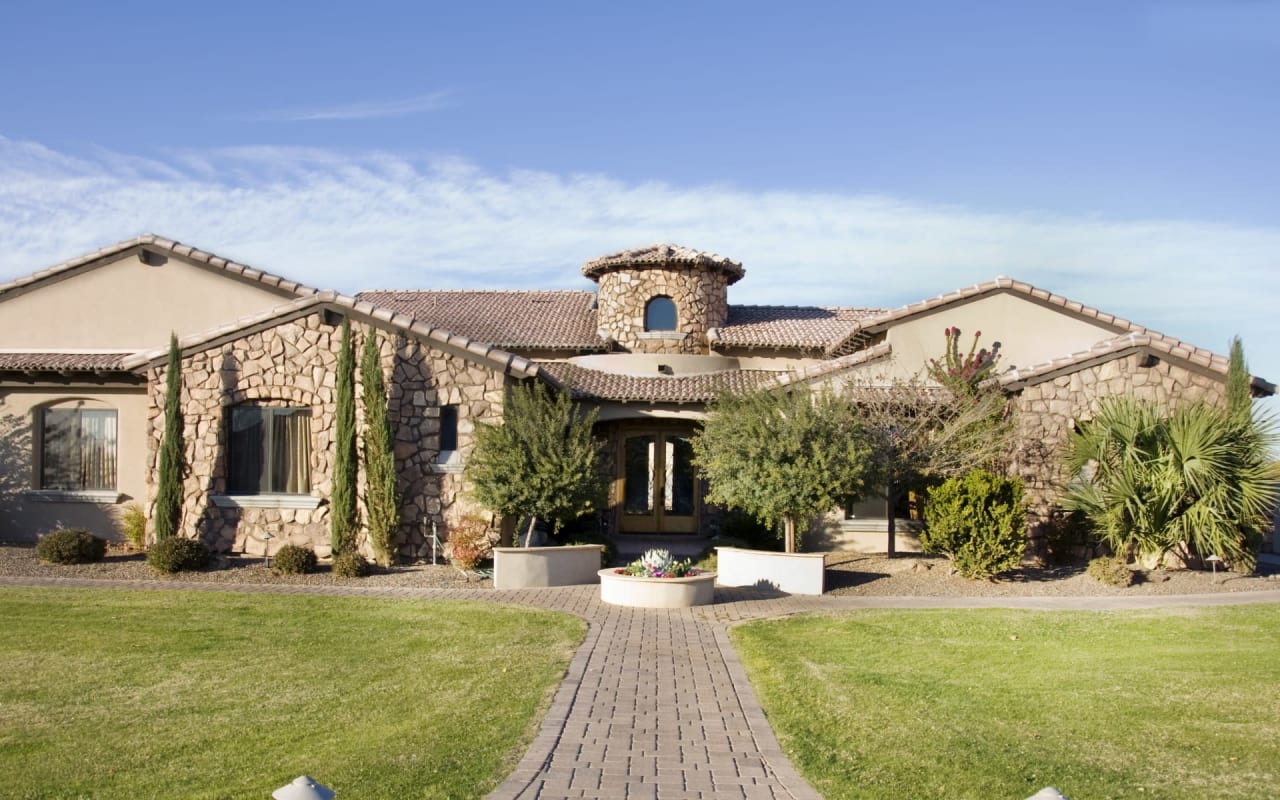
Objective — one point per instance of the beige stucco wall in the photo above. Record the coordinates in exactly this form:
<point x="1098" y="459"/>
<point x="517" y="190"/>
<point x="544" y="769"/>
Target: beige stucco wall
<point x="128" y="305"/>
<point x="23" y="518"/>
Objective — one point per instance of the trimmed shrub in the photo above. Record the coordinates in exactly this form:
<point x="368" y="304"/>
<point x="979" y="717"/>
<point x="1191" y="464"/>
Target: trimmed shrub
<point x="979" y="521"/>
<point x="71" y="546"/>
<point x="350" y="565"/>
<point x="469" y="543"/>
<point x="293" y="559"/>
<point x="133" y="526"/>
<point x="1112" y="571"/>
<point x="177" y="554"/>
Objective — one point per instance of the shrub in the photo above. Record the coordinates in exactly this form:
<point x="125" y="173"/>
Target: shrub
<point x="469" y="542"/>
<point x="71" y="546"/>
<point x="293" y="559"/>
<point x="133" y="526"/>
<point x="177" y="554"/>
<point x="754" y="534"/>
<point x="979" y="522"/>
<point x="350" y="565"/>
<point x="1111" y="571"/>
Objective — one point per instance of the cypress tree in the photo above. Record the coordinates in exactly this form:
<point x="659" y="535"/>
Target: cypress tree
<point x="342" y="509"/>
<point x="380" y="500"/>
<point x="1239" y="396"/>
<point x="168" y="510"/>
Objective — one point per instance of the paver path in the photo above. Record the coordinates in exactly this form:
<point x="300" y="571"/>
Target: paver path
<point x="655" y="703"/>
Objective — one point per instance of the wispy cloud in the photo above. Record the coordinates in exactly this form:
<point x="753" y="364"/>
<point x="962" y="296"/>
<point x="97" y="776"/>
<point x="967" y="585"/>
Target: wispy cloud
<point x="375" y="109"/>
<point x="382" y="220"/>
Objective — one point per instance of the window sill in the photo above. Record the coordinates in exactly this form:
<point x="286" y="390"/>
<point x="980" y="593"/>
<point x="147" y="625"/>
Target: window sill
<point x="300" y="501"/>
<point x="449" y="463"/>
<point x="95" y="496"/>
<point x="673" y="335"/>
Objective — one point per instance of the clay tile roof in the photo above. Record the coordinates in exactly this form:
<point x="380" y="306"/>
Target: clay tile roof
<point x="62" y="362"/>
<point x="160" y="244"/>
<point x="590" y="384"/>
<point x="660" y="254"/>
<point x="544" y="320"/>
<point x="789" y="326"/>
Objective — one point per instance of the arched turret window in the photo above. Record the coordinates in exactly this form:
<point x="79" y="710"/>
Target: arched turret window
<point x="660" y="314"/>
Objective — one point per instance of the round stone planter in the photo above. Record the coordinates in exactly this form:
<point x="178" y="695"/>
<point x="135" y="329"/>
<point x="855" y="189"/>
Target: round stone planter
<point x="638" y="592"/>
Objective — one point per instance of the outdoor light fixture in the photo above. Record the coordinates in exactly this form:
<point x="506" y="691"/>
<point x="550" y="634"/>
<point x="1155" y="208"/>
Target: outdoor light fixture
<point x="1213" y="563"/>
<point x="303" y="787"/>
<point x="266" y="548"/>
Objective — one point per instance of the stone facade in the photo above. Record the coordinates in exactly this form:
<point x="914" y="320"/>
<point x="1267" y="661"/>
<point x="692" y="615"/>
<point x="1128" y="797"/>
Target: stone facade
<point x="700" y="294"/>
<point x="293" y="364"/>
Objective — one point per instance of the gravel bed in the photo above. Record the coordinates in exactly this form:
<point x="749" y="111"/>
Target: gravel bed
<point x="130" y="565"/>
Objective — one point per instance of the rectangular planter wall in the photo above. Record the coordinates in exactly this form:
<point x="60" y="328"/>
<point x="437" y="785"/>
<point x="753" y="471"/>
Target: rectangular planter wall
<point x="793" y="573"/>
<point x="526" y="567"/>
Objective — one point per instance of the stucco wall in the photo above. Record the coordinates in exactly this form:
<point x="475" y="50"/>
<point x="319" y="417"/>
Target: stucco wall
<point x="23" y="518"/>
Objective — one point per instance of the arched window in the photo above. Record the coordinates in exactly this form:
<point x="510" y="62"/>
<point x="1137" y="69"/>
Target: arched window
<point x="660" y="314"/>
<point x="269" y="450"/>
<point x="77" y="447"/>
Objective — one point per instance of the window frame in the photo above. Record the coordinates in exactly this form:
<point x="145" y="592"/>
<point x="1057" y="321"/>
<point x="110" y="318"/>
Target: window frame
<point x="41" y="478"/>
<point x="273" y="493"/>
<point x="649" y="311"/>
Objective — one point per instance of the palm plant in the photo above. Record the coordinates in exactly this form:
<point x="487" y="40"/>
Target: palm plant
<point x="1196" y="481"/>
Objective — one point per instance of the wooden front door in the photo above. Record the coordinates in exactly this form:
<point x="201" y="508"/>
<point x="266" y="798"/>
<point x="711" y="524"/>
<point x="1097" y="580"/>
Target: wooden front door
<point x="657" y="485"/>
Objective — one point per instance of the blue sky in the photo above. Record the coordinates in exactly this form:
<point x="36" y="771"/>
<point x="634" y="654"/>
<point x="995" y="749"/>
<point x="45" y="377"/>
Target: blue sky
<point x="1123" y="154"/>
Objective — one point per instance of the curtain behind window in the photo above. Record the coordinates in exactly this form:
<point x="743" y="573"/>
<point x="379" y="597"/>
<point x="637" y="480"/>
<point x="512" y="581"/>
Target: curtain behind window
<point x="270" y="451"/>
<point x="78" y="449"/>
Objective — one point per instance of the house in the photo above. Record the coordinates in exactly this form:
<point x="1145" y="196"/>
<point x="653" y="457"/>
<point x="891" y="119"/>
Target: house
<point x="83" y="349"/>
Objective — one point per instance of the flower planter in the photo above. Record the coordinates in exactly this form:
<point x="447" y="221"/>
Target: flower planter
<point x="640" y="592"/>
<point x="793" y="573"/>
<point x="526" y="567"/>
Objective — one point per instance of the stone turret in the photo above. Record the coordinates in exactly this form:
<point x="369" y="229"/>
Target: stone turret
<point x="662" y="298"/>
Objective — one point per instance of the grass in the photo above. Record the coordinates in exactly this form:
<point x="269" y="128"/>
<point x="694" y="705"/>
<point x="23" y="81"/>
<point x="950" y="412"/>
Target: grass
<point x="119" y="694"/>
<point x="1180" y="703"/>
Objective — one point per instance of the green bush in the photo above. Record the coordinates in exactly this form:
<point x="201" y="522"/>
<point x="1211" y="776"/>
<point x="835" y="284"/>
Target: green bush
<point x="293" y="559"/>
<point x="177" y="554"/>
<point x="350" y="565"/>
<point x="1111" y="571"/>
<point x="979" y="521"/>
<point x="71" y="546"/>
<point x="133" y="526"/>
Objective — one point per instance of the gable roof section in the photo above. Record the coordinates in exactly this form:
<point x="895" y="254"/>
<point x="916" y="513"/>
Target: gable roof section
<point x="541" y="320"/>
<point x="807" y="327"/>
<point x="592" y="384"/>
<point x="150" y="241"/>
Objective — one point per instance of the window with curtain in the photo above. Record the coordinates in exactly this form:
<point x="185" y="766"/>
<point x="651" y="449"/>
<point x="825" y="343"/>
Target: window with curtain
<point x="78" y="449"/>
<point x="269" y="450"/>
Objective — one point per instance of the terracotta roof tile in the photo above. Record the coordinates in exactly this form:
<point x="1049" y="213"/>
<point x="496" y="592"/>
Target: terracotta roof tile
<point x="789" y="326"/>
<point x="659" y="254"/>
<point x="591" y="384"/>
<point x="62" y="362"/>
<point x="544" y="320"/>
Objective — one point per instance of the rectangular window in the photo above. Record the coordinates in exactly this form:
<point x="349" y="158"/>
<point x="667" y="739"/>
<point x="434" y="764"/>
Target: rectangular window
<point x="448" y="428"/>
<point x="269" y="450"/>
<point x="78" y="449"/>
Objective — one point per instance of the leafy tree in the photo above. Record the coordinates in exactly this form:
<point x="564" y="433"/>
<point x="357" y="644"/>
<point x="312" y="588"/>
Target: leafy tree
<point x="1196" y="481"/>
<point x="172" y="467"/>
<point x="342" y="509"/>
<point x="979" y="521"/>
<point x="543" y="461"/>
<point x="381" y="501"/>
<point x="782" y="456"/>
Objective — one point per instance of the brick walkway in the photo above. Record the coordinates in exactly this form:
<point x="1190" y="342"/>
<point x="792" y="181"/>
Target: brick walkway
<point x="655" y="703"/>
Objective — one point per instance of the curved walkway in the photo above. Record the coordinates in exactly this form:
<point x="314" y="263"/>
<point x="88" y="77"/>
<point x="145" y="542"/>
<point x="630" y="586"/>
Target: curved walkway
<point x="655" y="703"/>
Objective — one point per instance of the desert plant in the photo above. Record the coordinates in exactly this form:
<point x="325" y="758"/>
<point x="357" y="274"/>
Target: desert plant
<point x="293" y="559"/>
<point x="343" y="520"/>
<point x="133" y="526"/>
<point x="381" y="503"/>
<point x="659" y="564"/>
<point x="979" y="522"/>
<point x="177" y="555"/>
<point x="963" y="374"/>
<point x="350" y="565"/>
<point x="469" y="542"/>
<point x="1112" y="571"/>
<point x="172" y="468"/>
<point x="71" y="546"/>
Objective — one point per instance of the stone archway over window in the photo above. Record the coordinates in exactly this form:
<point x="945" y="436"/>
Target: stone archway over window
<point x="660" y="314"/>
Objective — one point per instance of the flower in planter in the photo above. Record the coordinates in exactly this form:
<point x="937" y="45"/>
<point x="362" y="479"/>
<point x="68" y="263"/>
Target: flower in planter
<point x="659" y="564"/>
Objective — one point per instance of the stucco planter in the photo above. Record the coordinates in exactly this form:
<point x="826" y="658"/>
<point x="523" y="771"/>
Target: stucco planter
<point x="525" y="567"/>
<point x="793" y="573"/>
<point x="640" y="592"/>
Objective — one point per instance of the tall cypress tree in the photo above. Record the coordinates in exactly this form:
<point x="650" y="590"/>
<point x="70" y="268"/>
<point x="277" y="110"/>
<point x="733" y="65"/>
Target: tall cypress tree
<point x="342" y="509"/>
<point x="1239" y="396"/>
<point x="168" y="511"/>
<point x="381" y="502"/>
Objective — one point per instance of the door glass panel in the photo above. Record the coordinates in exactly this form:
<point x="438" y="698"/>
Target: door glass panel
<point x="639" y="475"/>
<point x="678" y="497"/>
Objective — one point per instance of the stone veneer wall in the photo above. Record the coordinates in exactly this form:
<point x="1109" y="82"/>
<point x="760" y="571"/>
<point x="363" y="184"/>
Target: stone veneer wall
<point x="1046" y="413"/>
<point x="292" y="364"/>
<point x="700" y="294"/>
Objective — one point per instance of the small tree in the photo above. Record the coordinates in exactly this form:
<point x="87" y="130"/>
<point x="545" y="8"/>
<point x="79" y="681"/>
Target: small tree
<point x="172" y="467"/>
<point x="979" y="521"/>
<point x="381" y="501"/>
<point x="543" y="461"/>
<point x="343" y="520"/>
<point x="782" y="456"/>
<point x="1239" y="394"/>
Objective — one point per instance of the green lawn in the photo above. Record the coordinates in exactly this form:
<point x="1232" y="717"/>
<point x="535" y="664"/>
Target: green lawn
<point x="1182" y="703"/>
<point x="121" y="694"/>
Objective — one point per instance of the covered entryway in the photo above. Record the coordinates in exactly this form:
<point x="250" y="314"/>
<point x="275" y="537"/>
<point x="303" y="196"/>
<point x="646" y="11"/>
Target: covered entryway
<point x="655" y="483"/>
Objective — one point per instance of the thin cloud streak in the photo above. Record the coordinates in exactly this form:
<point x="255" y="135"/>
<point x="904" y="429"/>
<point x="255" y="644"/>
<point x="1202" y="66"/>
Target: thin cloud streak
<point x="383" y="220"/>
<point x="377" y="109"/>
